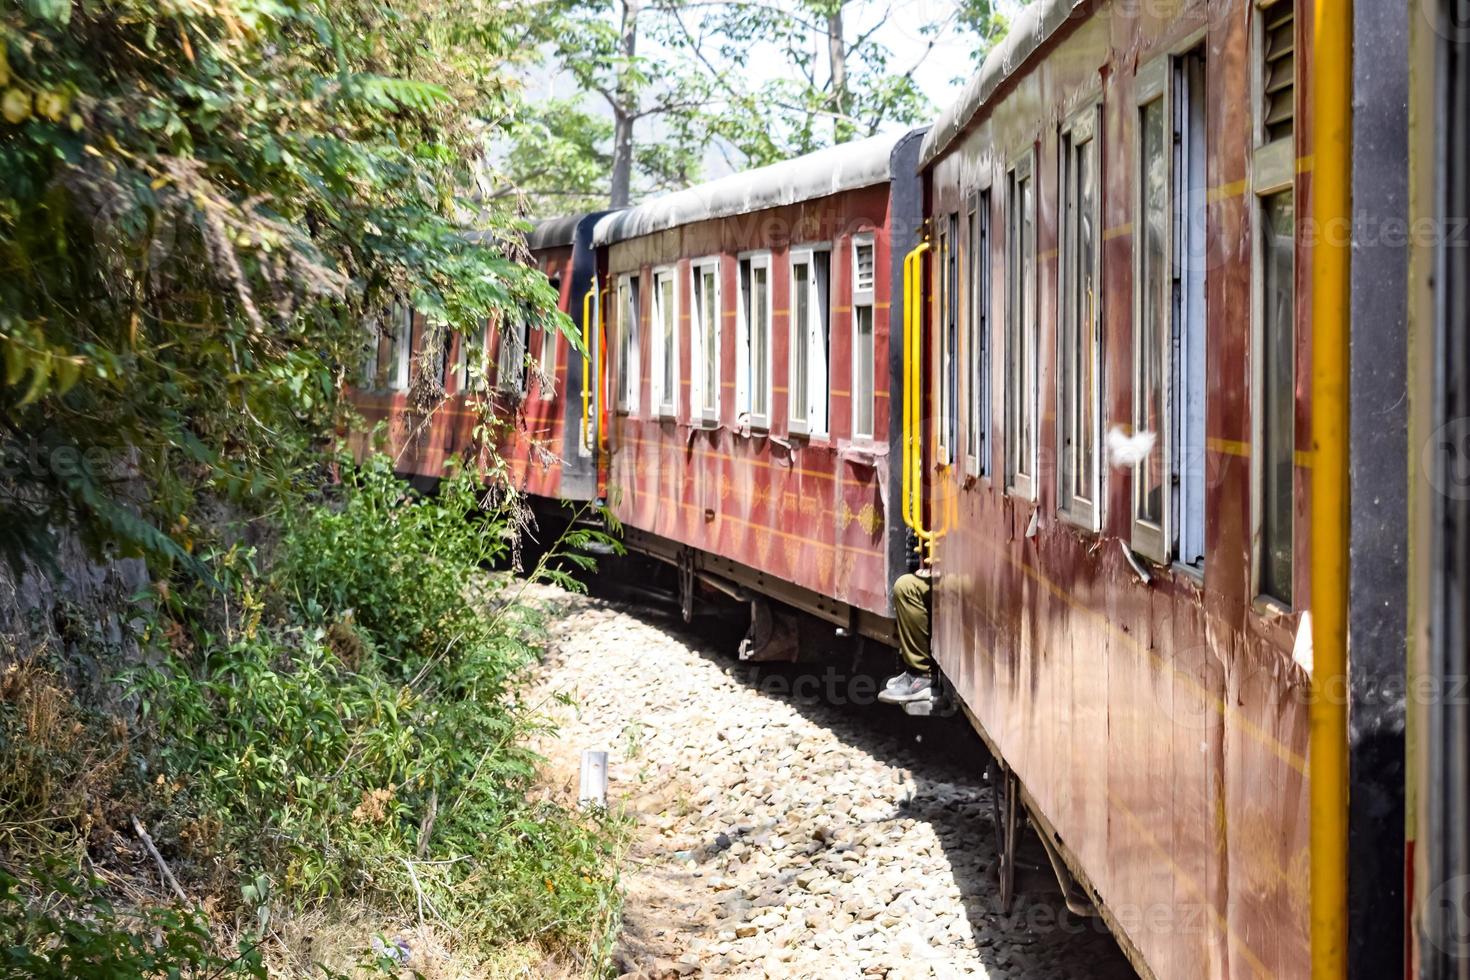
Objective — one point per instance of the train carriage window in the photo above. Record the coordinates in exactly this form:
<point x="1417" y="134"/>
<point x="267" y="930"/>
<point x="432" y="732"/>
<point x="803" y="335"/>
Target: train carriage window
<point x="753" y="350"/>
<point x="864" y="352"/>
<point x="461" y="363"/>
<point x="437" y="332"/>
<point x="1079" y="341"/>
<point x="1169" y="310"/>
<point x="629" y="365"/>
<point x="372" y="353"/>
<point x="400" y="347"/>
<point x="510" y="364"/>
<point x="546" y="363"/>
<point x="385" y="341"/>
<point x="705" y="339"/>
<point x="977" y="405"/>
<point x="1021" y="342"/>
<point x="1152" y="332"/>
<point x="471" y="355"/>
<point x="948" y="336"/>
<point x="809" y="361"/>
<point x="665" y="342"/>
<point x="1277" y="391"/>
<point x="1273" y="403"/>
<point x="1191" y="214"/>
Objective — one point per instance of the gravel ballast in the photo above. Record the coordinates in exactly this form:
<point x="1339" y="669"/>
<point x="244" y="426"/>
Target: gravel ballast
<point x="778" y="834"/>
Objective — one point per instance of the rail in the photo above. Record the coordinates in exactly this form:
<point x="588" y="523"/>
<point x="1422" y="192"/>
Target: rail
<point x="913" y="426"/>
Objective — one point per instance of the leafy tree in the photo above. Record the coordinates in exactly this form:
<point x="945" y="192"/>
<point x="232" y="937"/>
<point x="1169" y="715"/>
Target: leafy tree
<point x="675" y="76"/>
<point x="201" y="204"/>
<point x="557" y="157"/>
<point x="654" y="86"/>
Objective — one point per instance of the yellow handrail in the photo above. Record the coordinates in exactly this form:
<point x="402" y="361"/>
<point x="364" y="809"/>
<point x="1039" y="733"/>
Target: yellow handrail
<point x="913" y="426"/>
<point x="587" y="363"/>
<point x="904" y="496"/>
<point x="1332" y="74"/>
<point x="602" y="392"/>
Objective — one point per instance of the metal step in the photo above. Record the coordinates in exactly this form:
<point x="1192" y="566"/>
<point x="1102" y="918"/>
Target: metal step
<point x="940" y="707"/>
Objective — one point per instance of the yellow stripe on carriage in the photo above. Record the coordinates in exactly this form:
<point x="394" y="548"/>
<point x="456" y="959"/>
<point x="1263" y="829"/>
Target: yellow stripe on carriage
<point x="1331" y="203"/>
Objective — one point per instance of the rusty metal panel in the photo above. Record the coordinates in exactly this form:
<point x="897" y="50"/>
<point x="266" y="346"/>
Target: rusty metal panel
<point x="811" y="511"/>
<point x="1159" y="727"/>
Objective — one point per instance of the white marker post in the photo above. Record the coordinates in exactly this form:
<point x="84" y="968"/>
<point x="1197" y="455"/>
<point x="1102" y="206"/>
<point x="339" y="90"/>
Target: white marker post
<point x="594" y="779"/>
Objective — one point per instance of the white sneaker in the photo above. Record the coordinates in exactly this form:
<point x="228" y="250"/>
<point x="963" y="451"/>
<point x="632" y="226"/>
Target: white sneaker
<point x="910" y="687"/>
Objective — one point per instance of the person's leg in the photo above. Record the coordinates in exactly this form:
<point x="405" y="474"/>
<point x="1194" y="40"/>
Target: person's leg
<point x="911" y="610"/>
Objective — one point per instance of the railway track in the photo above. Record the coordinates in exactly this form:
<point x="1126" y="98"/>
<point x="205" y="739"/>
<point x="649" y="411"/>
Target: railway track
<point x="786" y="825"/>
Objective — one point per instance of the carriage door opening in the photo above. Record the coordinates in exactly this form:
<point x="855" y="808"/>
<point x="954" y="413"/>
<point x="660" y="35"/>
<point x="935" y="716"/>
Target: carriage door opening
<point x="1446" y="949"/>
<point x="1189" y="307"/>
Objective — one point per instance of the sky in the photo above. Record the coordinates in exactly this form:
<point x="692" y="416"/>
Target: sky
<point x="941" y="72"/>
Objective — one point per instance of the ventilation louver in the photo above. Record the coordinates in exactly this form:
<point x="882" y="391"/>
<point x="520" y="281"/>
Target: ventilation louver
<point x="1278" y="69"/>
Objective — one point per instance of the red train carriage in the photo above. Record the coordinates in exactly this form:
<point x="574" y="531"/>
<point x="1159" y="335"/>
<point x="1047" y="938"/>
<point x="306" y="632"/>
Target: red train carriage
<point x="1090" y="393"/>
<point x="535" y="394"/>
<point x="752" y="378"/>
<point x="1112" y="253"/>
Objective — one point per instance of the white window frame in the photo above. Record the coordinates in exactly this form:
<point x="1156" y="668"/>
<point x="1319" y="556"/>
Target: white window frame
<point x="399" y="380"/>
<point x="743" y="367"/>
<point x="946" y="377"/>
<point x="815" y="420"/>
<point x="665" y="403"/>
<point x="550" y="347"/>
<point x="1149" y="539"/>
<point x="1273" y="171"/>
<point x="701" y="336"/>
<point x="630" y="366"/>
<point x="481" y="336"/>
<point x="374" y="329"/>
<point x="862" y="295"/>
<point x="514" y="347"/>
<point x="978" y="320"/>
<point x="1021" y="474"/>
<point x="1191" y="245"/>
<point x="461" y="363"/>
<point x="1083" y="127"/>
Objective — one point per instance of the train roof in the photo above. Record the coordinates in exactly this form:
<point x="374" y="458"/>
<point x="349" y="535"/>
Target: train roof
<point x="553" y="232"/>
<point x="845" y="167"/>
<point x="1030" y="29"/>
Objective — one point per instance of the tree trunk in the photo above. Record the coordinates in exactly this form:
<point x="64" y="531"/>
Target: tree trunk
<point x="624" y="110"/>
<point x="842" y="127"/>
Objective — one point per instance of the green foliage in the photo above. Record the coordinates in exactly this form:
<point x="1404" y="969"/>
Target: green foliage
<point x="353" y="732"/>
<point x="200" y="206"/>
<point x="76" y="934"/>
<point x="558" y="156"/>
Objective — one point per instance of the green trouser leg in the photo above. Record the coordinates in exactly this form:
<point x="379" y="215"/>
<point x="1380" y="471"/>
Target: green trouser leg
<point x="911" y="609"/>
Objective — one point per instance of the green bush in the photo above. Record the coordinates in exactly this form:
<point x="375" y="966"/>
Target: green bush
<point x="75" y="934"/>
<point x="353" y="730"/>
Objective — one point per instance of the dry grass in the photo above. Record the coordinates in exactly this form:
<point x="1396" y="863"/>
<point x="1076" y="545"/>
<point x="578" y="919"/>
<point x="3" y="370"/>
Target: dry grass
<point x="339" y="939"/>
<point x="60" y="777"/>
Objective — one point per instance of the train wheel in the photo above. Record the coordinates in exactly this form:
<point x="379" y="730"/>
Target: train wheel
<point x="686" y="585"/>
<point x="1005" y="819"/>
